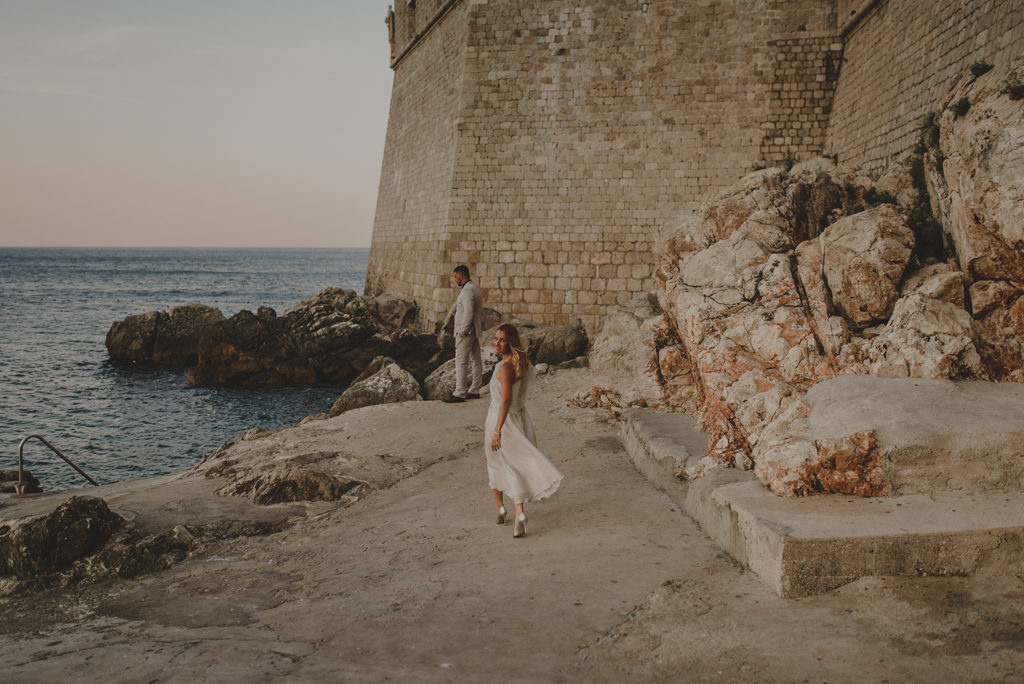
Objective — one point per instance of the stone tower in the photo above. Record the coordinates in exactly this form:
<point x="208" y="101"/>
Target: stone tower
<point x="549" y="145"/>
<point x="544" y="143"/>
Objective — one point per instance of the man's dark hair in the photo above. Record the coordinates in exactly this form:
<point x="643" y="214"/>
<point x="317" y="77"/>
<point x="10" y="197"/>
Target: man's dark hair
<point x="462" y="271"/>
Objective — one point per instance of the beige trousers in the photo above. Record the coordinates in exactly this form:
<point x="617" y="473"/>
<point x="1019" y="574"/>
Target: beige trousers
<point x="469" y="366"/>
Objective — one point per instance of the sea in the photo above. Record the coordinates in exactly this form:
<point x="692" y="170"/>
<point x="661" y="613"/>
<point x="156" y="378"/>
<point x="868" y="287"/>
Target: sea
<point x="117" y="420"/>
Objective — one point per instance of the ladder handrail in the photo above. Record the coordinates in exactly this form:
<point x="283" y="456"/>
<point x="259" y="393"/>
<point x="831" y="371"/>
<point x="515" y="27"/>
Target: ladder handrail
<point x="21" y="469"/>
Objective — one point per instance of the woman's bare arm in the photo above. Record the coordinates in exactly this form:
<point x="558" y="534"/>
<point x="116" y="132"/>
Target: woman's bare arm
<point x="506" y="378"/>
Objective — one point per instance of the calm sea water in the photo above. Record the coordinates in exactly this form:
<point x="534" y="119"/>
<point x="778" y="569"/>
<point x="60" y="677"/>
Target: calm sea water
<point x="120" y="421"/>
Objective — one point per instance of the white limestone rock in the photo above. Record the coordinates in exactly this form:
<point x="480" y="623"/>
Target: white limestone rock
<point x="865" y="257"/>
<point x="391" y="384"/>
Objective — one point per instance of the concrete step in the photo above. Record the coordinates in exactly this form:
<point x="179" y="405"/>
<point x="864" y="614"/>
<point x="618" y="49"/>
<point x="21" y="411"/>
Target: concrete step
<point x="803" y="546"/>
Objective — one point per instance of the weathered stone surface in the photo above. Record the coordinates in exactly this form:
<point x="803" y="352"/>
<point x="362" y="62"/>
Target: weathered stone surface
<point x="441" y="383"/>
<point x="983" y="172"/>
<point x="387" y="385"/>
<point x="45" y="544"/>
<point x="328" y="339"/>
<point x="177" y="337"/>
<point x="635" y="353"/>
<point x="293" y="485"/>
<point x="79" y="544"/>
<point x="393" y="313"/>
<point x="625" y="356"/>
<point x="251" y="350"/>
<point x="865" y="256"/>
<point x="552" y="344"/>
<point x="783" y="284"/>
<point x="9" y="481"/>
<point x="924" y="338"/>
<point x="980" y="193"/>
<point x="168" y="338"/>
<point x="133" y="338"/>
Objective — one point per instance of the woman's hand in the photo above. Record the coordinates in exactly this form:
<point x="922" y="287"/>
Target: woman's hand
<point x="496" y="441"/>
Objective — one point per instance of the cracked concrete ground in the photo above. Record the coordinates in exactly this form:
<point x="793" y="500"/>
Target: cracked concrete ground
<point x="416" y="582"/>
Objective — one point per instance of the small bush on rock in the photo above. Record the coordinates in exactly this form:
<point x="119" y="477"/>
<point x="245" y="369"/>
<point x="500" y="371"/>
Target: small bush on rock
<point x="874" y="197"/>
<point x="960" y="107"/>
<point x="1014" y="87"/>
<point x="980" y="68"/>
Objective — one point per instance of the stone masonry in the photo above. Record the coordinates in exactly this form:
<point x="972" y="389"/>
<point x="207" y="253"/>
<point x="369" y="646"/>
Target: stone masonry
<point x="545" y="143"/>
<point x="550" y="145"/>
<point x="899" y="61"/>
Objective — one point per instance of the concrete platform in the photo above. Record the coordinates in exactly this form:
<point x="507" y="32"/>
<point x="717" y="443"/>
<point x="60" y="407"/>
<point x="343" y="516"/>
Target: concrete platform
<point x="803" y="546"/>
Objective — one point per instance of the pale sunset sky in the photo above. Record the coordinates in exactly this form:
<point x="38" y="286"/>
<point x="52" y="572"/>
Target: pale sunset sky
<point x="204" y="123"/>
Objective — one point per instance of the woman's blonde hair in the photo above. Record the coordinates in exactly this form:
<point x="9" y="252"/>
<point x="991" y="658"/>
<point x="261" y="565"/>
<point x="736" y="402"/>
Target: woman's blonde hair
<point x="516" y="348"/>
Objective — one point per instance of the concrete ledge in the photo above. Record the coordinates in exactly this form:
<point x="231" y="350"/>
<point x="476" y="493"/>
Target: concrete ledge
<point x="803" y="546"/>
<point x="809" y="545"/>
<point x="660" y="444"/>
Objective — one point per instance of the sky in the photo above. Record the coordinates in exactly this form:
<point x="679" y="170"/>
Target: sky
<point x="191" y="123"/>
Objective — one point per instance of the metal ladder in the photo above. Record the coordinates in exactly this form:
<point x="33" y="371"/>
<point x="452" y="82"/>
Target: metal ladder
<point x="20" y="487"/>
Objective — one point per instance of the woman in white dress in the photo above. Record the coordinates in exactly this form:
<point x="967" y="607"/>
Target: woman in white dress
<point x="514" y="464"/>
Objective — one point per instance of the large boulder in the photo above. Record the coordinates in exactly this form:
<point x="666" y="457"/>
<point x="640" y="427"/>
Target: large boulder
<point x="636" y="355"/>
<point x="394" y="313"/>
<point x="132" y="339"/>
<point x="9" y="482"/>
<point x="389" y="384"/>
<point x="170" y="339"/>
<point x="45" y="544"/>
<point x="864" y="257"/>
<point x="781" y="284"/>
<point x="441" y="383"/>
<point x="177" y="337"/>
<point x="247" y="349"/>
<point x="551" y="344"/>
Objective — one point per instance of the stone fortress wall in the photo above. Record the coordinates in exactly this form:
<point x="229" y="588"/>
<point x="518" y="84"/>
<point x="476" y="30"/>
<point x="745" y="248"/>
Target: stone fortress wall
<point x="899" y="59"/>
<point x="548" y="145"/>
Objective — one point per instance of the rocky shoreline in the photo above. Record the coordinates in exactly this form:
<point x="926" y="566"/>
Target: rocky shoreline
<point x="407" y="575"/>
<point x="337" y="337"/>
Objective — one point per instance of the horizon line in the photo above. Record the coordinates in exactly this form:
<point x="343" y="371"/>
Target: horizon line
<point x="180" y="247"/>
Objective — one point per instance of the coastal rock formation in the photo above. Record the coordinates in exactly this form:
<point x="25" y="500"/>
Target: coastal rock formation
<point x="387" y="383"/>
<point x="551" y="344"/>
<point x="82" y="541"/>
<point x="9" y="480"/>
<point x="327" y="339"/>
<point x="45" y="544"/>
<point x="792" y="279"/>
<point x="169" y="338"/>
<point x="280" y="486"/>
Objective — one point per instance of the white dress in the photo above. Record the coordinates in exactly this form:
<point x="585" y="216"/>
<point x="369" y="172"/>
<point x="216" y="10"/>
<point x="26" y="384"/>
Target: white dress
<point x="518" y="469"/>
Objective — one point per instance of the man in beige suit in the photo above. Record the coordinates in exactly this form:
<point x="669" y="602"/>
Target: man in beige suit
<point x="469" y="328"/>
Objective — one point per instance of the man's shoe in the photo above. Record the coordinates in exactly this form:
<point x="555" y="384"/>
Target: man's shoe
<point x="453" y="399"/>
<point x="473" y="395"/>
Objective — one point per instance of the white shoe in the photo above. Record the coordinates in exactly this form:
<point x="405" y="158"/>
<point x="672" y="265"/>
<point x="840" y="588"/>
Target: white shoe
<point x="520" y="530"/>
<point x="502" y="516"/>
